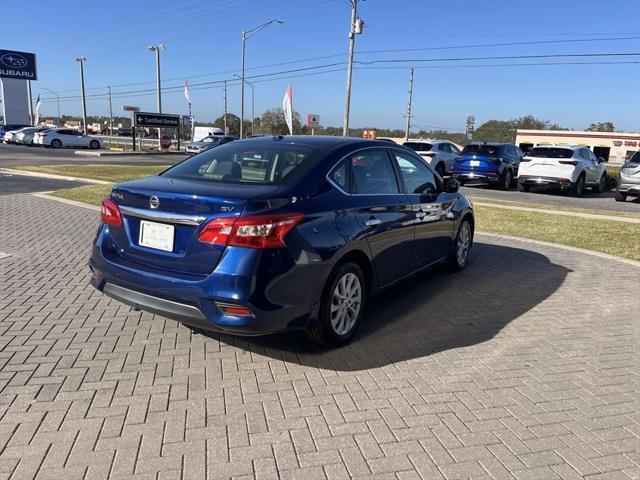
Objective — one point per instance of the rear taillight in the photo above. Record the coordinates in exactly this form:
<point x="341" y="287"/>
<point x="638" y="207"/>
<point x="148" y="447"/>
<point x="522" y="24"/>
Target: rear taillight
<point x="495" y="159"/>
<point x="110" y="213"/>
<point x="568" y="162"/>
<point x="260" y="231"/>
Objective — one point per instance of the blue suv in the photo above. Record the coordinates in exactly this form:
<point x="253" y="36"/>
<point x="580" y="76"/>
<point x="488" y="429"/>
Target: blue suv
<point x="492" y="163"/>
<point x="278" y="233"/>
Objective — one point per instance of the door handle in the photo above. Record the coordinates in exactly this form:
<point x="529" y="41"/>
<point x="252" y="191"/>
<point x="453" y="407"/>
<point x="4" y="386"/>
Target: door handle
<point x="373" y="222"/>
<point x="420" y="214"/>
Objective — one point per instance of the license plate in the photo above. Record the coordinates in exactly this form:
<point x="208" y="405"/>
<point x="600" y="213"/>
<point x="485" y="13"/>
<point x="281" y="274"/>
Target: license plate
<point x="156" y="235"/>
<point x="474" y="163"/>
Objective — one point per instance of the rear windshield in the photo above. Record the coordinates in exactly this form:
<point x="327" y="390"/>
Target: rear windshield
<point x="549" y="152"/>
<point x="246" y="162"/>
<point x="482" y="149"/>
<point x="635" y="159"/>
<point x="418" y="146"/>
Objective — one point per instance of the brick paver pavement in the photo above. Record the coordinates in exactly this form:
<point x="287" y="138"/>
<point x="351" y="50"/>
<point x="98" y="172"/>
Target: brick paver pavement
<point x="524" y="366"/>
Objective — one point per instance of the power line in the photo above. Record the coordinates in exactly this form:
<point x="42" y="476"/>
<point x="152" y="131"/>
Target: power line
<point x="503" y="57"/>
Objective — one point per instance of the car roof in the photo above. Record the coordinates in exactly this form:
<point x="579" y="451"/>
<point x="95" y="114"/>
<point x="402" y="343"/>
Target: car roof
<point x="318" y="141"/>
<point x="491" y="144"/>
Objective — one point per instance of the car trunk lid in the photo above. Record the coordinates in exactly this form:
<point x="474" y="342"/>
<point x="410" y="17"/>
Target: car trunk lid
<point x="163" y="216"/>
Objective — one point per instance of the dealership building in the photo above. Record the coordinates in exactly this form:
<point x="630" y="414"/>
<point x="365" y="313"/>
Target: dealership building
<point x="614" y="147"/>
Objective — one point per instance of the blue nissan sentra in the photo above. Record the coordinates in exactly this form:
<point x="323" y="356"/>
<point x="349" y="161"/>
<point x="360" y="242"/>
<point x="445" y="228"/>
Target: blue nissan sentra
<point x="279" y="233"/>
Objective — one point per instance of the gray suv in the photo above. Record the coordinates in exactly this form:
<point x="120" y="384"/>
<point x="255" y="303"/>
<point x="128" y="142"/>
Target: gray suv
<point x="629" y="179"/>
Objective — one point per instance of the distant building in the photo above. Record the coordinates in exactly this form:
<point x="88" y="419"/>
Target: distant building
<point x="49" y="123"/>
<point x="614" y="147"/>
<point x="73" y="124"/>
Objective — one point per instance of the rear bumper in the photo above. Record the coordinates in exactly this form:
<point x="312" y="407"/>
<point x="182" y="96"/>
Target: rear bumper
<point x="273" y="294"/>
<point x="544" y="182"/>
<point x="480" y="177"/>
<point x="631" y="189"/>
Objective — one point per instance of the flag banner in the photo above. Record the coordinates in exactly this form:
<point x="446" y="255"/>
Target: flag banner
<point x="36" y="113"/>
<point x="188" y="97"/>
<point x="287" y="107"/>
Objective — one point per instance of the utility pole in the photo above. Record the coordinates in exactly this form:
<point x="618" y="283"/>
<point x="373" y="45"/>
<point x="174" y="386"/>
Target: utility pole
<point x="81" y="61"/>
<point x="408" y="129"/>
<point x="356" y="28"/>
<point x="226" y="130"/>
<point x="110" y="112"/>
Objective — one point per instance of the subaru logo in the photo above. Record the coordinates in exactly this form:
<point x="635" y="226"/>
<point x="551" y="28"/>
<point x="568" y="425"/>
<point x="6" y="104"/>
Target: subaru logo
<point x="13" y="60"/>
<point x="154" y="202"/>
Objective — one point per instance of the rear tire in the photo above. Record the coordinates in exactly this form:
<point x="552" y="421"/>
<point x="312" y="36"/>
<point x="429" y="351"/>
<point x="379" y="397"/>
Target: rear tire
<point x="576" y="189"/>
<point x="461" y="247"/>
<point x="507" y="178"/>
<point x="341" y="307"/>
<point x="523" y="188"/>
<point x="94" y="144"/>
<point x="621" y="197"/>
<point x="55" y="143"/>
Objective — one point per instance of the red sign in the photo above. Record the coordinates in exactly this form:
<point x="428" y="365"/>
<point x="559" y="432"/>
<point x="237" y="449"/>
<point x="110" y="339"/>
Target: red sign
<point x="165" y="141"/>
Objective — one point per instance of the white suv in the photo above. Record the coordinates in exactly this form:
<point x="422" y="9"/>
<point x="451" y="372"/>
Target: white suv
<point x="440" y="154"/>
<point x="567" y="168"/>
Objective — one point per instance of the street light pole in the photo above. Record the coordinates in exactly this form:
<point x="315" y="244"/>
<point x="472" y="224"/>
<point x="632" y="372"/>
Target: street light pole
<point x="81" y="61"/>
<point x="157" y="49"/>
<point x="57" y="98"/>
<point x="253" y="101"/>
<point x="247" y="34"/>
<point x="356" y="28"/>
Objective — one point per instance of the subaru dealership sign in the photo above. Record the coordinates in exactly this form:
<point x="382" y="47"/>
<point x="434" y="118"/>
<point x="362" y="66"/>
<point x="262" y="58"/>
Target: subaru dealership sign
<point x="18" y="65"/>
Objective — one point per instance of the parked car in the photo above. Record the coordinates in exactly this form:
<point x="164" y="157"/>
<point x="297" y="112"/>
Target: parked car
<point x="208" y="142"/>
<point x="64" y="137"/>
<point x="302" y="242"/>
<point x="629" y="179"/>
<point x="440" y="154"/>
<point x="491" y="163"/>
<point x="561" y="167"/>
<point x="25" y="135"/>
<point x="10" y="127"/>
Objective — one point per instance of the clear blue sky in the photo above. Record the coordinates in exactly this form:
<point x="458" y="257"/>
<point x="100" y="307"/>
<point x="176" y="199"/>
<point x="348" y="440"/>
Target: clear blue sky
<point x="203" y="40"/>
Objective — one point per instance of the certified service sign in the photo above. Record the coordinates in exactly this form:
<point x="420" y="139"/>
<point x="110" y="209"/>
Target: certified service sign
<point x="18" y="65"/>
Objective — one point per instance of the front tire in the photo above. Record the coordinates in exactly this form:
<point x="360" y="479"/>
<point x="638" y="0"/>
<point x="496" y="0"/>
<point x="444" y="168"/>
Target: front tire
<point x="94" y="145"/>
<point x="342" y="307"/>
<point x="576" y="189"/>
<point x="461" y="247"/>
<point x="602" y="183"/>
<point x="621" y="197"/>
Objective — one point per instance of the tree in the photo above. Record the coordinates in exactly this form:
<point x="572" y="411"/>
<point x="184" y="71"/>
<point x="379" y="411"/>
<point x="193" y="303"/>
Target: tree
<point x="601" y="127"/>
<point x="233" y="124"/>
<point x="504" y="131"/>
<point x="273" y="122"/>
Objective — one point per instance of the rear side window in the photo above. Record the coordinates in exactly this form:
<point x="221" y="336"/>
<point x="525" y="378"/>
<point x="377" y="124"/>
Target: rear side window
<point x="419" y="146"/>
<point x="372" y="173"/>
<point x="481" y="149"/>
<point x="340" y="175"/>
<point x="246" y="162"/>
<point x="549" y="152"/>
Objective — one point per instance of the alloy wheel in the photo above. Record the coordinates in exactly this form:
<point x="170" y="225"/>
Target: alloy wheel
<point x="346" y="302"/>
<point x="462" y="244"/>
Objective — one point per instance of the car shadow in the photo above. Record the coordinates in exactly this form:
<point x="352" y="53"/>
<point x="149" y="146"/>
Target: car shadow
<point x="429" y="313"/>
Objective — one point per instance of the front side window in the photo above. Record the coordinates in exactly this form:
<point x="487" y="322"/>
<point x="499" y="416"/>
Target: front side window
<point x="247" y="162"/>
<point x="417" y="177"/>
<point x="372" y="173"/>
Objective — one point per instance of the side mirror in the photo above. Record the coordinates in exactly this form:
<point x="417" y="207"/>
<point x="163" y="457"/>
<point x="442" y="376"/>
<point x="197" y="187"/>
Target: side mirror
<point x="451" y="185"/>
<point x="601" y="159"/>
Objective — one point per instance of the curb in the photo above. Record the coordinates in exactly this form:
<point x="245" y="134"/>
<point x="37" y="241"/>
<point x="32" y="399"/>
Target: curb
<point x="566" y="213"/>
<point x="65" y="200"/>
<point x="543" y="243"/>
<point x="89" y="153"/>
<point x="53" y="176"/>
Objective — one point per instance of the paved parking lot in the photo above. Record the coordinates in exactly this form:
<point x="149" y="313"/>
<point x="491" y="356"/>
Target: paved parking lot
<point x="12" y="156"/>
<point x="11" y="184"/>
<point x="524" y="366"/>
